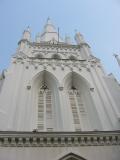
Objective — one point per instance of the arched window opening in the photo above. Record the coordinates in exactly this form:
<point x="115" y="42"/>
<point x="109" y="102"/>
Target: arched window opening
<point x="79" y="100"/>
<point x="39" y="56"/>
<point x="72" y="58"/>
<point x="45" y="110"/>
<point x="56" y="56"/>
<point x="48" y="110"/>
<point x="74" y="95"/>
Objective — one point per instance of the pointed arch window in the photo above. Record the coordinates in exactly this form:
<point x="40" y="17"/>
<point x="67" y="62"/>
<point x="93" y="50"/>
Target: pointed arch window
<point x="74" y="108"/>
<point x="47" y="102"/>
<point x="45" y="117"/>
<point x="77" y="105"/>
<point x="45" y="110"/>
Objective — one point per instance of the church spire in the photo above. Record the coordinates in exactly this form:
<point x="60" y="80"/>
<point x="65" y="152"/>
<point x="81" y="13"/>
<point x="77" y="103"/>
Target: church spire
<point x="49" y="21"/>
<point x="49" y="27"/>
<point x="49" y="32"/>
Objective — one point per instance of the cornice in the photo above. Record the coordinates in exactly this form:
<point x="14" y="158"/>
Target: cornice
<point x="47" y="44"/>
<point x="55" y="45"/>
<point x="59" y="139"/>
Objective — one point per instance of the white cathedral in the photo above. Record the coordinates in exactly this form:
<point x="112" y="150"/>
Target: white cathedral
<point x="57" y="102"/>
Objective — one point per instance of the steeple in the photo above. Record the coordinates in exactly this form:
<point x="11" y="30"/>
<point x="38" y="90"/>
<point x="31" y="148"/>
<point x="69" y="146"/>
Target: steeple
<point x="49" y="27"/>
<point x="49" y="32"/>
<point x="49" y="20"/>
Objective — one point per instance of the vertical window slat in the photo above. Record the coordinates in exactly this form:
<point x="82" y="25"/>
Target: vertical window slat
<point x="40" y="124"/>
<point x="72" y="98"/>
<point x="45" y="115"/>
<point x="49" y="114"/>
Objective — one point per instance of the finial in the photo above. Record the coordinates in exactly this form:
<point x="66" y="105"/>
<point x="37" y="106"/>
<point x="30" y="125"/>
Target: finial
<point x="48" y="20"/>
<point x="26" y="34"/>
<point x="28" y="28"/>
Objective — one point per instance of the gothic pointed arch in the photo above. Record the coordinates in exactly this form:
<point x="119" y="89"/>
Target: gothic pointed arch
<point x="47" y="101"/>
<point x="38" y="77"/>
<point x="80" y="102"/>
<point x="67" y="79"/>
<point x="72" y="156"/>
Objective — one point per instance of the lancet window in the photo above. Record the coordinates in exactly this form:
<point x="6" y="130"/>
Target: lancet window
<point x="77" y="105"/>
<point x="45" y="109"/>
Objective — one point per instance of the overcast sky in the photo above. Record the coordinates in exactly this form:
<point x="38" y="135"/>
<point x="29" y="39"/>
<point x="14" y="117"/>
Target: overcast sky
<point x="97" y="20"/>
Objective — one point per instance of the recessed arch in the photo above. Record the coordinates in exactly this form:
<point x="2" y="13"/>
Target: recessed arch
<point x="81" y="103"/>
<point x="39" y="56"/>
<point x="40" y="74"/>
<point x="74" y="74"/>
<point x="72" y="57"/>
<point x="46" y="99"/>
<point x="56" y="56"/>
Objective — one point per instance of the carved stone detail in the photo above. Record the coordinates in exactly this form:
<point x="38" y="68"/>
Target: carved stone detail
<point x="37" y="139"/>
<point x="28" y="87"/>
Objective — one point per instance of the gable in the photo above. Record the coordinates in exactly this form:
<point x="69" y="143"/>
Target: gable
<point x="72" y="156"/>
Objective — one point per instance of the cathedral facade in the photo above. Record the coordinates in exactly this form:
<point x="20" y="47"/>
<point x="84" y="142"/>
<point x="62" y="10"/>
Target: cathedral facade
<point x="57" y="102"/>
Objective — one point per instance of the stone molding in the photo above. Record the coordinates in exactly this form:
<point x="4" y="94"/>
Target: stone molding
<point x="47" y="44"/>
<point x="58" y="63"/>
<point x="59" y="139"/>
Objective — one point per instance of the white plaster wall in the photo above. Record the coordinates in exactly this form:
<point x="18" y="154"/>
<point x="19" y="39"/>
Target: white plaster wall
<point x="55" y="153"/>
<point x="18" y="105"/>
<point x="114" y="88"/>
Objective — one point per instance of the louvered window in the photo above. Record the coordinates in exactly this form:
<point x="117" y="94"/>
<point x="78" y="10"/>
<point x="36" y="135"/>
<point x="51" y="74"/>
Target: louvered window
<point x="74" y="109"/>
<point x="45" y="114"/>
<point x="49" y="114"/>
<point x="41" y="110"/>
<point x="80" y="104"/>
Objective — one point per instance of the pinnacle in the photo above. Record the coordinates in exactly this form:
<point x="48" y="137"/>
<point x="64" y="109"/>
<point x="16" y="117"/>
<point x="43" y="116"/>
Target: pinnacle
<point x="49" y="20"/>
<point x="28" y="28"/>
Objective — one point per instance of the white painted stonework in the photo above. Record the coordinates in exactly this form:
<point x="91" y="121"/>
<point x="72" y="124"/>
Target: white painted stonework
<point x="57" y="103"/>
<point x="52" y="85"/>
